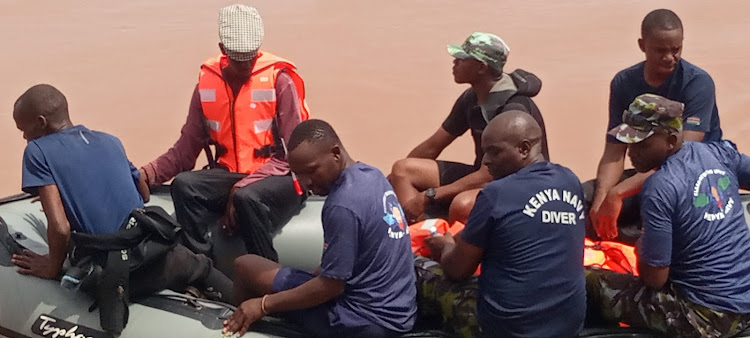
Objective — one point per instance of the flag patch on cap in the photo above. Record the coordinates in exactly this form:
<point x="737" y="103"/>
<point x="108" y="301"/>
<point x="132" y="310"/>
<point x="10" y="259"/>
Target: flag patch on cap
<point x="694" y="120"/>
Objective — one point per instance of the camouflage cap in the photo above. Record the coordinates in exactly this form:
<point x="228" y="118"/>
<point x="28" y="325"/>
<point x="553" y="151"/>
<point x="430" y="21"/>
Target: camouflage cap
<point x="485" y="47"/>
<point x="647" y="112"/>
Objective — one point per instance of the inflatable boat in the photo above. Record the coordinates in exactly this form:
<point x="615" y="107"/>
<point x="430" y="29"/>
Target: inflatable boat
<point x="33" y="307"/>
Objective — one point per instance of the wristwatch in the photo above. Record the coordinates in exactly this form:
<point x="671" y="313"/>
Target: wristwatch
<point x="430" y="193"/>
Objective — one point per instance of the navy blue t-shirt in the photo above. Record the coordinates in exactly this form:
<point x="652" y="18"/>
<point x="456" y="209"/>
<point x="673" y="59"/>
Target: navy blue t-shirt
<point x="367" y="244"/>
<point x="97" y="183"/>
<point x="687" y="84"/>
<point x="693" y="222"/>
<point x="531" y="227"/>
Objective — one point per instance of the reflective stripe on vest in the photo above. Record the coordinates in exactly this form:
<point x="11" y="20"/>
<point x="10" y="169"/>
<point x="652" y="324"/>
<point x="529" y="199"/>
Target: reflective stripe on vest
<point x="244" y="123"/>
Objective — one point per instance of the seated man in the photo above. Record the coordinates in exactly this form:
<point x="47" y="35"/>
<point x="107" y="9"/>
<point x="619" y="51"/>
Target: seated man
<point x="247" y="102"/>
<point x="526" y="229"/>
<point x="665" y="73"/>
<point x="421" y="181"/>
<point x="364" y="286"/>
<point x="87" y="184"/>
<point x="693" y="254"/>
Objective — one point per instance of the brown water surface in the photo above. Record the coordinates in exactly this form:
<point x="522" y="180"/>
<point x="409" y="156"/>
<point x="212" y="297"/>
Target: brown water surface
<point x="377" y="70"/>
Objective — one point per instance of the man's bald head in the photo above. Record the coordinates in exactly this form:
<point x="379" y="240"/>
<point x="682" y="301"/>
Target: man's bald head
<point x="511" y="141"/>
<point x="41" y="110"/>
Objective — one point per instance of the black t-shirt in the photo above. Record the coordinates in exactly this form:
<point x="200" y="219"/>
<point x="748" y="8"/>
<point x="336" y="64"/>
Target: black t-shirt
<point x="466" y="114"/>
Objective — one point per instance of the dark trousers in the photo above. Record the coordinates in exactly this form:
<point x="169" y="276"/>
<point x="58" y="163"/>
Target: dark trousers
<point x="178" y="269"/>
<point x="262" y="208"/>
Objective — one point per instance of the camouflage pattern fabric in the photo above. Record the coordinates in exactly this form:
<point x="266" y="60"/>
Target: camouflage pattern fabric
<point x="485" y="47"/>
<point x="624" y="298"/>
<point x="439" y="297"/>
<point x="646" y="112"/>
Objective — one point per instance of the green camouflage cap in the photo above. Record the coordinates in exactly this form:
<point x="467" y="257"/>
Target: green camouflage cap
<point x="485" y="47"/>
<point x="647" y="112"/>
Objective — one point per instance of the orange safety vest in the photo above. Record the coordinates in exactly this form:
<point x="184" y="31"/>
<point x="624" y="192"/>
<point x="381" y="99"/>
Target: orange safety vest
<point x="610" y="255"/>
<point x="244" y="125"/>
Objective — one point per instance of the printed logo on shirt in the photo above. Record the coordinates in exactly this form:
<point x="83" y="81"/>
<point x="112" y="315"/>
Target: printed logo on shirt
<point x="710" y="193"/>
<point x="555" y="213"/>
<point x="394" y="215"/>
<point x="694" y="120"/>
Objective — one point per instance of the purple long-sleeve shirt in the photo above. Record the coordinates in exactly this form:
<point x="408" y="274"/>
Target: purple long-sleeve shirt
<point x="184" y="153"/>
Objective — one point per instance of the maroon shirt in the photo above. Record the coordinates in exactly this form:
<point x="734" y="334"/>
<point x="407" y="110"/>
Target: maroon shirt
<point x="183" y="154"/>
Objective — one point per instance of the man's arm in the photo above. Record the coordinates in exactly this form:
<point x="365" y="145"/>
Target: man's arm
<point x="458" y="258"/>
<point x="654" y="248"/>
<point x="58" y="236"/>
<point x="454" y="125"/>
<point x="610" y="169"/>
<point x="475" y="180"/>
<point x="433" y="146"/>
<point x="653" y="277"/>
<point x="184" y="153"/>
<point x="700" y="99"/>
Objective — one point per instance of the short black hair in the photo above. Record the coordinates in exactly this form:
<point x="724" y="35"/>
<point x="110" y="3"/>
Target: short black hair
<point x="313" y="131"/>
<point x="660" y="19"/>
<point x="43" y="99"/>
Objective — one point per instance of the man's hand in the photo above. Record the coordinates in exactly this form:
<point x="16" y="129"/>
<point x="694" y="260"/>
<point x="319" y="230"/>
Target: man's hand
<point x="604" y="216"/>
<point x="246" y="314"/>
<point x="415" y="207"/>
<point x="438" y="244"/>
<point x="229" y="220"/>
<point x="37" y="265"/>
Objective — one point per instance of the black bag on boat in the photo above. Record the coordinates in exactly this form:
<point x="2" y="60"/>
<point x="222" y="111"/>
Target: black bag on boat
<point x="102" y="263"/>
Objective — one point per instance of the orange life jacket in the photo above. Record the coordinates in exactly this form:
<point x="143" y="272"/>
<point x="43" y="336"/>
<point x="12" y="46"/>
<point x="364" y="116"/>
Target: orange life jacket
<point x="421" y="230"/>
<point x="608" y="255"/>
<point x="243" y="126"/>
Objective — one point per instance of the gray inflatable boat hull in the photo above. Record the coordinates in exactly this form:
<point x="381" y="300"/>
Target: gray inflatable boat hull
<point x="28" y="305"/>
<point x="32" y="307"/>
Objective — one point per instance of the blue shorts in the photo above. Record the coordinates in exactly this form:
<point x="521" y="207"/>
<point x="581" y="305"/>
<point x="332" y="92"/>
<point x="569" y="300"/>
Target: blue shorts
<point x="316" y="320"/>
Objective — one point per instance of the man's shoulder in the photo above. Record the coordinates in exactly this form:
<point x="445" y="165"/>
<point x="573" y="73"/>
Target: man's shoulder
<point x="694" y="74"/>
<point x="692" y="69"/>
<point x="628" y="74"/>
<point x="355" y="180"/>
<point x="664" y="181"/>
<point x="467" y="97"/>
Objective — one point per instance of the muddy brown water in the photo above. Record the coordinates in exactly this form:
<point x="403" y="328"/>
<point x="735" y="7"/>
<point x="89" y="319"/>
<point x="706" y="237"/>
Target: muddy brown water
<point x="378" y="71"/>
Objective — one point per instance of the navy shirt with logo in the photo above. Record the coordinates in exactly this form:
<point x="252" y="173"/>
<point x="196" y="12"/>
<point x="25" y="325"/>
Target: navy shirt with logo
<point x="694" y="223"/>
<point x="367" y="244"/>
<point x="687" y="84"/>
<point x="531" y="227"/>
<point x="97" y="183"/>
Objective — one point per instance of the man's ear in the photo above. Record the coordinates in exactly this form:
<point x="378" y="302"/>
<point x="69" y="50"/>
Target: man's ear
<point x="336" y="151"/>
<point x="672" y="140"/>
<point x="642" y="45"/>
<point x="525" y="148"/>
<point x="42" y="121"/>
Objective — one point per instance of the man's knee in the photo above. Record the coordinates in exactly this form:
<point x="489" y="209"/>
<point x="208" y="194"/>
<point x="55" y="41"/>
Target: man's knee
<point x="462" y="204"/>
<point x="183" y="183"/>
<point x="253" y="264"/>
<point x="403" y="168"/>
<point x="245" y="195"/>
<point x="244" y="264"/>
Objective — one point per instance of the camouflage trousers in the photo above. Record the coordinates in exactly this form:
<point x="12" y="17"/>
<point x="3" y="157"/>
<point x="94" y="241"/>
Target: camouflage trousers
<point x="440" y="297"/>
<point x="624" y="298"/>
